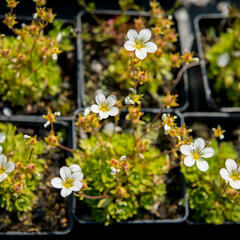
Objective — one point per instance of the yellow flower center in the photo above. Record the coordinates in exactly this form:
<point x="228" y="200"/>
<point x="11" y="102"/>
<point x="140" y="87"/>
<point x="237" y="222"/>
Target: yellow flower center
<point x="2" y="170"/>
<point x="104" y="107"/>
<point x="235" y="175"/>
<point x="139" y="44"/>
<point x="196" y="156"/>
<point x="68" y="183"/>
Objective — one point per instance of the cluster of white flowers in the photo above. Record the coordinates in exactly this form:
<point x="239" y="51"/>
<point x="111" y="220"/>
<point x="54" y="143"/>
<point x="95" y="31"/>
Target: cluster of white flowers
<point x="70" y="180"/>
<point x="5" y="166"/>
<point x="196" y="152"/>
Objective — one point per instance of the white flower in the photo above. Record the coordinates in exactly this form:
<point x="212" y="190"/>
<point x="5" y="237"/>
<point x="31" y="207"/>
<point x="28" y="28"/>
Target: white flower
<point x="87" y="111"/>
<point x="231" y="174"/>
<point x="114" y="170"/>
<point x="26" y="136"/>
<point x="195" y="153"/>
<point x="35" y="15"/>
<point x="54" y="56"/>
<point x="139" y="43"/>
<point x="128" y="100"/>
<point x="59" y="37"/>
<point x="123" y="158"/>
<point x="70" y="180"/>
<point x="5" y="167"/>
<point x="223" y="59"/>
<point x="104" y="107"/>
<point x="110" y="127"/>
<point x="166" y="129"/>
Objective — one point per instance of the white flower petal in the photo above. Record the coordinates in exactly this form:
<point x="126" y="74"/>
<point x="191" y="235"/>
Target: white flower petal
<point x="95" y="108"/>
<point x="207" y="152"/>
<point x="10" y="167"/>
<point x="47" y="124"/>
<point x="3" y="160"/>
<point x="235" y="184"/>
<point x="77" y="176"/>
<point x="100" y="98"/>
<point x="129" y="45"/>
<point x="128" y="100"/>
<point x="0" y="149"/>
<point x="225" y="174"/>
<point x="58" y="114"/>
<point x="151" y="47"/>
<point x="65" y="172"/>
<point x="111" y="100"/>
<point x="132" y="35"/>
<point x="122" y="158"/>
<point x="2" y="137"/>
<point x="113" y="111"/>
<point x="186" y="150"/>
<point x="223" y="59"/>
<point x="166" y="128"/>
<point x="141" y="53"/>
<point x="202" y="165"/>
<point x="65" y="192"/>
<point x="145" y="35"/>
<point x="114" y="171"/>
<point x="57" y="182"/>
<point x="87" y="111"/>
<point x="75" y="168"/>
<point x="103" y="115"/>
<point x="3" y="176"/>
<point x="189" y="161"/>
<point x="76" y="186"/>
<point x="230" y="165"/>
<point x="199" y="144"/>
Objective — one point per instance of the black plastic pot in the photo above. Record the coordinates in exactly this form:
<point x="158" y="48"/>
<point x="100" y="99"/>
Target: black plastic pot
<point x="227" y="121"/>
<point x="206" y="21"/>
<point x="37" y="123"/>
<point x="85" y="219"/>
<point x="66" y="67"/>
<point x="83" y="16"/>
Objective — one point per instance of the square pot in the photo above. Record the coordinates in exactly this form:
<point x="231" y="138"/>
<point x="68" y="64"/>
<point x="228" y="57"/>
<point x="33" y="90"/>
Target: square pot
<point x="204" y="122"/>
<point x="219" y="22"/>
<point x="83" y="16"/>
<point x="67" y="61"/>
<point x="35" y="124"/>
<point x="82" y="211"/>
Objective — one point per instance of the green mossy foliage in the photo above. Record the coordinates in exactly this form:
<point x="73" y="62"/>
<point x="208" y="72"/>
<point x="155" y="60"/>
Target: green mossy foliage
<point x="205" y="189"/>
<point x="28" y="74"/>
<point x="103" y="48"/>
<point x="17" y="151"/>
<point x="143" y="185"/>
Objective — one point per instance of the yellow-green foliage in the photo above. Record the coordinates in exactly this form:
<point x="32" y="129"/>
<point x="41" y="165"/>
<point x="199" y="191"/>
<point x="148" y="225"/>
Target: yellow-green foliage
<point x="140" y="188"/>
<point x="226" y="78"/>
<point x="205" y="189"/>
<point x="28" y="73"/>
<point x="12" y="198"/>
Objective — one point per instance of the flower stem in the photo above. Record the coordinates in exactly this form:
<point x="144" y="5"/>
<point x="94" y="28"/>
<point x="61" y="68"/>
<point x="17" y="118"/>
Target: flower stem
<point x="94" y="197"/>
<point x="65" y="148"/>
